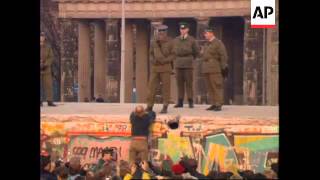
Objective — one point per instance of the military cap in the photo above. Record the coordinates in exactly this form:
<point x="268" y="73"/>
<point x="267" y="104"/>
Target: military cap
<point x="183" y="25"/>
<point x="162" y="27"/>
<point x="208" y="29"/>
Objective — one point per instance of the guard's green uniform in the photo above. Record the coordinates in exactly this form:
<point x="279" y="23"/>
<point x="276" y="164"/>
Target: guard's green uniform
<point x="45" y="70"/>
<point x="214" y="60"/>
<point x="161" y="57"/>
<point x="186" y="50"/>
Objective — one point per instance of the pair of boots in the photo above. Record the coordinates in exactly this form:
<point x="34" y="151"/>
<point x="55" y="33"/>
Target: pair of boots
<point x="164" y="109"/>
<point x="50" y="103"/>
<point x="214" y="108"/>
<point x="180" y="103"/>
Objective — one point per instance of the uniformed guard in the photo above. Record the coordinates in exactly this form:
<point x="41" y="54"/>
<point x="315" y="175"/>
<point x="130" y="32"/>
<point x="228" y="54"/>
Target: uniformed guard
<point x="46" y="59"/>
<point x="214" y="68"/>
<point x="186" y="50"/>
<point x="161" y="57"/>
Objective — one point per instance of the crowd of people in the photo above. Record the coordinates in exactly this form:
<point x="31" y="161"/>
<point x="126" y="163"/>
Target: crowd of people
<point x="107" y="168"/>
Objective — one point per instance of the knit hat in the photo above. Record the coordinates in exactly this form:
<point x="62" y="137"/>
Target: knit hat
<point x="177" y="169"/>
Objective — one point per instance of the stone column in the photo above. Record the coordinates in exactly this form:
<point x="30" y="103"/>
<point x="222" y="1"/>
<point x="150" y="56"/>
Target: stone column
<point x="273" y="65"/>
<point x="128" y="62"/>
<point x="100" y="59"/>
<point x="113" y="44"/>
<point x="199" y="82"/>
<point x="84" y="61"/>
<point x="142" y="51"/>
<point x="253" y="62"/>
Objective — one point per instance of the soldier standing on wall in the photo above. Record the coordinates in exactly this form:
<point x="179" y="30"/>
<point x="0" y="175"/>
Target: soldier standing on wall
<point x="161" y="57"/>
<point x="214" y="67"/>
<point x="46" y="59"/>
<point x="186" y="50"/>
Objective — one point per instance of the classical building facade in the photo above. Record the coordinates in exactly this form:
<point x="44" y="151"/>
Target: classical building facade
<point x="253" y="53"/>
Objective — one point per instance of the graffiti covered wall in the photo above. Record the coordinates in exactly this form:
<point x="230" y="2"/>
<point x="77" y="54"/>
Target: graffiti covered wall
<point x="217" y="144"/>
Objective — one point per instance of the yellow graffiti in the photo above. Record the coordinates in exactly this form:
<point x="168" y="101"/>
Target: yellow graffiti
<point x="50" y="128"/>
<point x="217" y="154"/>
<point x="238" y="140"/>
<point x="176" y="143"/>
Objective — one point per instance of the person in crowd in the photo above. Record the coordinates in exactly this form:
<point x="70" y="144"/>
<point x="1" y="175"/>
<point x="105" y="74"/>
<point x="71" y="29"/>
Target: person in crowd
<point x="46" y="61"/>
<point x="106" y="159"/>
<point x="47" y="168"/>
<point x="75" y="168"/>
<point x="136" y="172"/>
<point x="62" y="172"/>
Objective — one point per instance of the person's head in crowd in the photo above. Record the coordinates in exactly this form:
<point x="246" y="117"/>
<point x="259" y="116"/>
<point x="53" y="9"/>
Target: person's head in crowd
<point x="228" y="174"/>
<point x="90" y="176"/>
<point x="177" y="169"/>
<point x="144" y="165"/>
<point x="116" y="178"/>
<point x="58" y="163"/>
<point x="63" y="173"/>
<point x="222" y="175"/>
<point x="192" y="165"/>
<point x="246" y="173"/>
<point x="259" y="176"/>
<point x="270" y="174"/>
<point x="274" y="167"/>
<point x="174" y="176"/>
<point x="166" y="167"/>
<point x="212" y="174"/>
<point x="46" y="164"/>
<point x="107" y="154"/>
<point x="154" y="169"/>
<point x="105" y="172"/>
<point x="236" y="176"/>
<point x="74" y="165"/>
<point x="183" y="162"/>
<point x="79" y="178"/>
<point x="44" y="161"/>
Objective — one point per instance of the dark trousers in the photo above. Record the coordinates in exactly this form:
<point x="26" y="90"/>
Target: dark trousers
<point x="184" y="82"/>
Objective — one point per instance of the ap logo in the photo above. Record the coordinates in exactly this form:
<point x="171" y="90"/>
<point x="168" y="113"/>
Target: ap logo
<point x="263" y="14"/>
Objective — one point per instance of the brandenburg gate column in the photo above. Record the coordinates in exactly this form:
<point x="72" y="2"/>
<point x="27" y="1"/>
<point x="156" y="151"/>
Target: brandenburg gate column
<point x="84" y="61"/>
<point x="100" y="59"/>
<point x="128" y="67"/>
<point x="252" y="64"/>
